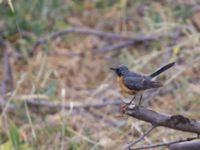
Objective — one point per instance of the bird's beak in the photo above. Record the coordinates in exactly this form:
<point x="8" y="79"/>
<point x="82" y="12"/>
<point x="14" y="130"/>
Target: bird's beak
<point x="112" y="68"/>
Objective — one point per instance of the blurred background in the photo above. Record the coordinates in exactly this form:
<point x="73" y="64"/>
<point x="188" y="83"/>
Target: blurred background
<point x="57" y="91"/>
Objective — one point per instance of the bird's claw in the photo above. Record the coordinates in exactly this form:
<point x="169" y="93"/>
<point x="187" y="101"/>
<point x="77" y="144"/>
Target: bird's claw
<point x="124" y="108"/>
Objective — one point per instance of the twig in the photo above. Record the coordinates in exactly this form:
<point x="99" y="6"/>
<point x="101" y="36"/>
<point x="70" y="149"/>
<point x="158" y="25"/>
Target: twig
<point x="115" y="46"/>
<point x="188" y="145"/>
<point x="41" y="101"/>
<point x="89" y="31"/>
<point x="7" y="82"/>
<point x="45" y="105"/>
<point x="140" y="138"/>
<point x="13" y="94"/>
<point x="177" y="122"/>
<point x="109" y="35"/>
<point x="165" y="143"/>
<point x="56" y="106"/>
<point x="86" y="31"/>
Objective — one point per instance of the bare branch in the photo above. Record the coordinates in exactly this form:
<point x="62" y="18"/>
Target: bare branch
<point x="7" y="82"/>
<point x="56" y="106"/>
<point x="85" y="31"/>
<point x="115" y="46"/>
<point x="140" y="138"/>
<point x="177" y="122"/>
<point x="40" y="102"/>
<point x="173" y="33"/>
<point x="188" y="145"/>
<point x="165" y="143"/>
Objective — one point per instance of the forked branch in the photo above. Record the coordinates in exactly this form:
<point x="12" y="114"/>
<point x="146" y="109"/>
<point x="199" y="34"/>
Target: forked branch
<point x="177" y="122"/>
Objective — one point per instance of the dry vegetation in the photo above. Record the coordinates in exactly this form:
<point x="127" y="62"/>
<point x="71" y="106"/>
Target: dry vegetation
<point x="72" y="70"/>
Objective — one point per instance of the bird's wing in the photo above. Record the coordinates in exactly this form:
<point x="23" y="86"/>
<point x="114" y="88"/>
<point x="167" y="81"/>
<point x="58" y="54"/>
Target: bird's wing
<point x="140" y="83"/>
<point x="134" y="83"/>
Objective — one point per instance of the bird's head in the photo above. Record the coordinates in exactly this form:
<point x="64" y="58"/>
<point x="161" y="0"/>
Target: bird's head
<point x="121" y="70"/>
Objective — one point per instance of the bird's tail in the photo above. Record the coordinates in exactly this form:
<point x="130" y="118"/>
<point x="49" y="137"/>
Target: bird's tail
<point x="155" y="84"/>
<point x="152" y="84"/>
<point x="162" y="69"/>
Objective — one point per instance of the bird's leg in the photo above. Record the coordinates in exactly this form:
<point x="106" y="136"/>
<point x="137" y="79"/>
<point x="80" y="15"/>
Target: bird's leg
<point x="131" y="101"/>
<point x="125" y="106"/>
<point x="139" y="104"/>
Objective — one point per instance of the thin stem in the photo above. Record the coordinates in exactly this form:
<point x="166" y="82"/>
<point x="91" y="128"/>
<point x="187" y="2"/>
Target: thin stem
<point x="140" y="138"/>
<point x="165" y="143"/>
<point x="140" y="100"/>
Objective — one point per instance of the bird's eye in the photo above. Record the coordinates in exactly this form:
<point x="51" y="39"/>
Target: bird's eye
<point x="118" y="71"/>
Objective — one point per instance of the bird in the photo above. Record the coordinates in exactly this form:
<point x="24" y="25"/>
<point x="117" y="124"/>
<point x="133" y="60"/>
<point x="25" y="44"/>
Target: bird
<point x="134" y="83"/>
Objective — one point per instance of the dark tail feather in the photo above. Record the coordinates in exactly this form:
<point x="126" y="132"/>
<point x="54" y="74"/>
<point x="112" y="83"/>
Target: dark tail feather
<point x="162" y="69"/>
<point x="152" y="84"/>
<point x="155" y="84"/>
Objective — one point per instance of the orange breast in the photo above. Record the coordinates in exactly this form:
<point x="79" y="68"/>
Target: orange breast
<point x="123" y="89"/>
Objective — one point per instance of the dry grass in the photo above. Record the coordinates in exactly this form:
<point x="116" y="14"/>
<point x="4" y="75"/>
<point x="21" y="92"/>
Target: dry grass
<point x="66" y="70"/>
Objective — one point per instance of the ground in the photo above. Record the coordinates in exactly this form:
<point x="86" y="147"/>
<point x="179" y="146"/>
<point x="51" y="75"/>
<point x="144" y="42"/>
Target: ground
<point x="77" y="102"/>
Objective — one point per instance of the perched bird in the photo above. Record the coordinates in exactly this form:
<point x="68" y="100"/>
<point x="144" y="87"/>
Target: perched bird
<point x="133" y="83"/>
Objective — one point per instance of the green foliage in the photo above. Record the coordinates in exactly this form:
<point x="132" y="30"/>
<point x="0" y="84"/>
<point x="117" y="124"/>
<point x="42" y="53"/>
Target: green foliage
<point x="68" y="132"/>
<point x="32" y="16"/>
<point x="106" y="3"/>
<point x="33" y="19"/>
<point x="14" y="142"/>
<point x="181" y="12"/>
<point x="154" y="16"/>
<point x="14" y="136"/>
<point x="50" y="89"/>
<point x="8" y="146"/>
<point x="73" y="145"/>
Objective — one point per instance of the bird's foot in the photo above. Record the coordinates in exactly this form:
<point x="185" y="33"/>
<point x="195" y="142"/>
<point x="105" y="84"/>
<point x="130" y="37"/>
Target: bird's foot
<point x="136" y="107"/>
<point x="124" y="108"/>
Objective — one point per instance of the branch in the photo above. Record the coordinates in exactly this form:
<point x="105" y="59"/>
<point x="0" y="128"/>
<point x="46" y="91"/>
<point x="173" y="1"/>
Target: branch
<point x="140" y="138"/>
<point x="188" y="145"/>
<point x="115" y="46"/>
<point x="56" y="106"/>
<point x="41" y="101"/>
<point x="167" y="144"/>
<point x="7" y="82"/>
<point x="51" y="107"/>
<point x="85" y="31"/>
<point x="173" y="33"/>
<point x="177" y="122"/>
